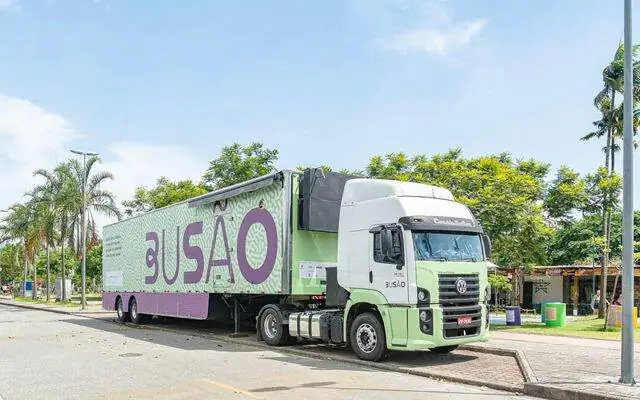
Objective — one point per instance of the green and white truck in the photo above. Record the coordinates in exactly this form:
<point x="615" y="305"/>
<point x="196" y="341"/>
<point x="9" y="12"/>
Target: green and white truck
<point x="377" y="265"/>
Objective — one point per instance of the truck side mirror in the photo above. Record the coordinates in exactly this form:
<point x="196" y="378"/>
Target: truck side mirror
<point x="487" y="245"/>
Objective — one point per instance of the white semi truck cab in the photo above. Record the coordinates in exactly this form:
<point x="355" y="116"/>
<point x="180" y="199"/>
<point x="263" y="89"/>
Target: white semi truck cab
<point x="411" y="272"/>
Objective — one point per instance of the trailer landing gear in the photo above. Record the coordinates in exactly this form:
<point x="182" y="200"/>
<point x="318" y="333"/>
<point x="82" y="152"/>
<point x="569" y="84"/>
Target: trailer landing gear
<point x="236" y="320"/>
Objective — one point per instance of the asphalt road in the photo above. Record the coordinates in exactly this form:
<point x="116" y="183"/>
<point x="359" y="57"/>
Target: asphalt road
<point x="54" y="356"/>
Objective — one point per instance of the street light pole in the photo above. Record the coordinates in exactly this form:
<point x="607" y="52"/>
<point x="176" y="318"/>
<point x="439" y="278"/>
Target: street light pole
<point x="84" y="154"/>
<point x="627" y="211"/>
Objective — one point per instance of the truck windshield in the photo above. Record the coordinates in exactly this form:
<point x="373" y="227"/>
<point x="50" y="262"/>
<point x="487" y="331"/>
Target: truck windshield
<point x="447" y="246"/>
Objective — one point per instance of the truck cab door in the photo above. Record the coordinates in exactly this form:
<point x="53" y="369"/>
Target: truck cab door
<point x="388" y="273"/>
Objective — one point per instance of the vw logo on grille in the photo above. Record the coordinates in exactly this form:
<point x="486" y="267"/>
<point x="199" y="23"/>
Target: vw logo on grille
<point x="461" y="286"/>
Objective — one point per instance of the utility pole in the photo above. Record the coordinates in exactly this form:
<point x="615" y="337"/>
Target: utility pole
<point x="626" y="375"/>
<point x="84" y="154"/>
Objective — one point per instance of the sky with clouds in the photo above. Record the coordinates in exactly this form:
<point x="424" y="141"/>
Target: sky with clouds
<point x="159" y="87"/>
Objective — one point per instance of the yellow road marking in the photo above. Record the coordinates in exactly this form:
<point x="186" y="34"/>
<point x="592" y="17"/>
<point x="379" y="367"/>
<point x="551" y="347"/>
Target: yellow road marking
<point x="232" y="389"/>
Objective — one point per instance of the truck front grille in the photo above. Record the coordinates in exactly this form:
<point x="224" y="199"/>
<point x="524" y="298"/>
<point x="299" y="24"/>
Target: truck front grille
<point x="455" y="304"/>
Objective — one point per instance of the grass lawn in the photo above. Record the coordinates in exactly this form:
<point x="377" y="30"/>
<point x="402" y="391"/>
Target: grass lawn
<point x="585" y="327"/>
<point x="50" y="303"/>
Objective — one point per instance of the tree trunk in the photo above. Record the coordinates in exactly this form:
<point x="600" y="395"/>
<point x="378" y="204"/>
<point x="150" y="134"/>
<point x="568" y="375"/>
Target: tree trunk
<point x="26" y="271"/>
<point x="606" y="214"/>
<point x="34" y="290"/>
<point x="615" y="288"/>
<point x="62" y="269"/>
<point x="613" y="157"/>
<point x="48" y="272"/>
<point x="603" y="267"/>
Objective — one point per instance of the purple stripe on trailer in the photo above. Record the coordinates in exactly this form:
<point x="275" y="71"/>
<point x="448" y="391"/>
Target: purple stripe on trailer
<point x="183" y="305"/>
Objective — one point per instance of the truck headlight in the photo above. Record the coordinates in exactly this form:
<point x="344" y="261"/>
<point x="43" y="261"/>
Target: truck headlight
<point x="426" y="321"/>
<point x="423" y="296"/>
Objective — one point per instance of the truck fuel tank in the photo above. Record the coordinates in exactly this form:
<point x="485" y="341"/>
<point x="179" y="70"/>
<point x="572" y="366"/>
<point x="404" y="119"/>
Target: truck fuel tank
<point x="315" y="324"/>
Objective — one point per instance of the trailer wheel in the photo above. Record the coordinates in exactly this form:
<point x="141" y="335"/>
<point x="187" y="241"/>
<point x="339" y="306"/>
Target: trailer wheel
<point x="444" y="349"/>
<point x="272" y="330"/>
<point x="367" y="338"/>
<point x="121" y="314"/>
<point x="136" y="317"/>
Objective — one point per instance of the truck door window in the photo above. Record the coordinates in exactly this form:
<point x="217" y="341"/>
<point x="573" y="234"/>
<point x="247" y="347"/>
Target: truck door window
<point x="387" y="256"/>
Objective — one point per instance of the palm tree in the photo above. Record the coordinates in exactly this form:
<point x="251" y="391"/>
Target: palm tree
<point x="61" y="191"/>
<point x="17" y="225"/>
<point x="610" y="125"/>
<point x="43" y="201"/>
<point x="97" y="200"/>
<point x="63" y="187"/>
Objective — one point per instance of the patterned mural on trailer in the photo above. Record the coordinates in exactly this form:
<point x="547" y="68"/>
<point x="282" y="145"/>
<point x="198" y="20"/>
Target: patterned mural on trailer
<point x="230" y="247"/>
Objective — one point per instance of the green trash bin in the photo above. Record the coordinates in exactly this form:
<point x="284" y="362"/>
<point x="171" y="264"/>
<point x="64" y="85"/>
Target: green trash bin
<point x="543" y="305"/>
<point x="554" y="314"/>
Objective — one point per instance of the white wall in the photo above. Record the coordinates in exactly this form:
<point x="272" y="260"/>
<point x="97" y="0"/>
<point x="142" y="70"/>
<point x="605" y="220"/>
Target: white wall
<point x="546" y="288"/>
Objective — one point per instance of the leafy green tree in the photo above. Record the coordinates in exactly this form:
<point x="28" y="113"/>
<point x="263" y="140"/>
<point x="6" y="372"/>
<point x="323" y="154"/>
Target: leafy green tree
<point x="94" y="263"/>
<point x="502" y="193"/>
<point x="396" y="166"/>
<point x="500" y="284"/>
<point x="603" y="193"/>
<point x="238" y="163"/>
<point x="565" y="195"/>
<point x="11" y="255"/>
<point x="165" y="193"/>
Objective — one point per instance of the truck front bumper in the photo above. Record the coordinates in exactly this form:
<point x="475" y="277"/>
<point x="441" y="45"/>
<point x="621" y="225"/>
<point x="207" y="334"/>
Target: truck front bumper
<point x="419" y="340"/>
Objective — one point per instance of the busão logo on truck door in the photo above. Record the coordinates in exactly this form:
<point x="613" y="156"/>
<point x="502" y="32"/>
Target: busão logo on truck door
<point x="156" y="259"/>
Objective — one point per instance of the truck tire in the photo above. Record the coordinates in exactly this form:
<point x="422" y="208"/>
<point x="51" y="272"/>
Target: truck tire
<point x="120" y="313"/>
<point x="444" y="349"/>
<point x="367" y="338"/>
<point x="272" y="330"/>
<point x="135" y="316"/>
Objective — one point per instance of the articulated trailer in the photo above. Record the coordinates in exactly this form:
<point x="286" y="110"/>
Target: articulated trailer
<point x="376" y="265"/>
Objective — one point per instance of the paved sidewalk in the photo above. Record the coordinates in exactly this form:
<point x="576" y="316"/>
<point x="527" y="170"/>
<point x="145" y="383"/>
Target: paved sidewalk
<point x="589" y="366"/>
<point x="93" y="307"/>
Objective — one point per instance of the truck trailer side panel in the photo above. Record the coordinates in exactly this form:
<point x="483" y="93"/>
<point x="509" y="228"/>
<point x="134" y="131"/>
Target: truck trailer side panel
<point x="170" y="259"/>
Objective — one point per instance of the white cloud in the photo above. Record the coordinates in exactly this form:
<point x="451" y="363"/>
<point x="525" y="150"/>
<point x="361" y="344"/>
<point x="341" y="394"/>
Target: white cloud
<point x="30" y="138"/>
<point x="136" y="164"/>
<point x="8" y="4"/>
<point x="436" y="40"/>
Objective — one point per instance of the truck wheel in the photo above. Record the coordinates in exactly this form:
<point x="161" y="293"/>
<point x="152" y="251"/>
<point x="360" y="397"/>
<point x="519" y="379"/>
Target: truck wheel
<point x="444" y="349"/>
<point x="121" y="314"/>
<point x="136" y="317"/>
<point x="272" y="330"/>
<point x="367" y="338"/>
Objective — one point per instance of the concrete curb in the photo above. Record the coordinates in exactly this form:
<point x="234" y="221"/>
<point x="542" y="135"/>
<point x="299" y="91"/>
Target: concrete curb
<point x="558" y="393"/>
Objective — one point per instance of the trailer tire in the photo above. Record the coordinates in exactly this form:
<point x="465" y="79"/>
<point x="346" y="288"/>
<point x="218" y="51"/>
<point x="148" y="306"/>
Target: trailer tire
<point x="367" y="338"/>
<point x="136" y="317"/>
<point x="272" y="330"/>
<point x="121" y="315"/>
<point x="443" y="349"/>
